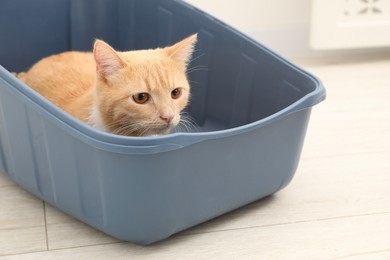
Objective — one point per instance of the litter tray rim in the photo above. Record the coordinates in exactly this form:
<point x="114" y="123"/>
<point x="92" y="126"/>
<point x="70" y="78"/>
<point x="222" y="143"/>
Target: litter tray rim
<point x="150" y="144"/>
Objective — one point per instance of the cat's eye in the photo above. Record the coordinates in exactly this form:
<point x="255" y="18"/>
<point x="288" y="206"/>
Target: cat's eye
<point x="141" y="98"/>
<point x="176" y="93"/>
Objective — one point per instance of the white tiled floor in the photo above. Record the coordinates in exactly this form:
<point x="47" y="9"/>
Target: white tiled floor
<point x="337" y="206"/>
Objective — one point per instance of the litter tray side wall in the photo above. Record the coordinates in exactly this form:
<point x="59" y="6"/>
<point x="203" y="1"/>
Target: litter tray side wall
<point x="145" y="198"/>
<point x="173" y="191"/>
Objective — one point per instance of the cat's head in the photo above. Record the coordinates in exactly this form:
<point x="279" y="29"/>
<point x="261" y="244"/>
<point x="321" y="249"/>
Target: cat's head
<point x="143" y="92"/>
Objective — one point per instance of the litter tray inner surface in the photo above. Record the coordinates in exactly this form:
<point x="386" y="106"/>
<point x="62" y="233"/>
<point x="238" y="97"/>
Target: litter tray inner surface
<point x="224" y="96"/>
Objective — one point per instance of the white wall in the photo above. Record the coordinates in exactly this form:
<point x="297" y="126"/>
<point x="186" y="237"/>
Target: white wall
<point x="256" y="14"/>
<point x="282" y="25"/>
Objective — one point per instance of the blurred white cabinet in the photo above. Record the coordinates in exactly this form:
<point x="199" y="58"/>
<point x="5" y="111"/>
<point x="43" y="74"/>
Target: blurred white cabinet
<point x="341" y="24"/>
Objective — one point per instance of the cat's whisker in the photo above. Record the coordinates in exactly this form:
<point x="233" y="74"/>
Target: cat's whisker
<point x="197" y="68"/>
<point x="197" y="57"/>
<point x="193" y="125"/>
<point x="118" y="125"/>
<point x="193" y="83"/>
<point x="125" y="126"/>
<point x="181" y="127"/>
<point x="149" y="128"/>
<point x="187" y="122"/>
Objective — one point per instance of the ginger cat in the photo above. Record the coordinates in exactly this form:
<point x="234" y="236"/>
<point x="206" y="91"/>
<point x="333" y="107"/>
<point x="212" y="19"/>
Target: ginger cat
<point x="134" y="93"/>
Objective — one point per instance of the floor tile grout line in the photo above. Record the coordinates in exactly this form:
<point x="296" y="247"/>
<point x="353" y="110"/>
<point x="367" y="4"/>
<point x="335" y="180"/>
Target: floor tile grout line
<point x="361" y="254"/>
<point x="286" y="223"/>
<point x="20" y="228"/>
<point x="66" y="248"/>
<point x="46" y="232"/>
<point x="85" y="246"/>
<point x="8" y="185"/>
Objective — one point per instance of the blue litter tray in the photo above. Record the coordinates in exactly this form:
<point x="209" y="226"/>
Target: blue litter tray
<point x="250" y="105"/>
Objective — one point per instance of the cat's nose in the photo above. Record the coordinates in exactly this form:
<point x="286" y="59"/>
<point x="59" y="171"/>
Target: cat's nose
<point x="167" y="118"/>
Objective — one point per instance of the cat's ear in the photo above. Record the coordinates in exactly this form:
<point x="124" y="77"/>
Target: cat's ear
<point x="182" y="51"/>
<point x="107" y="59"/>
